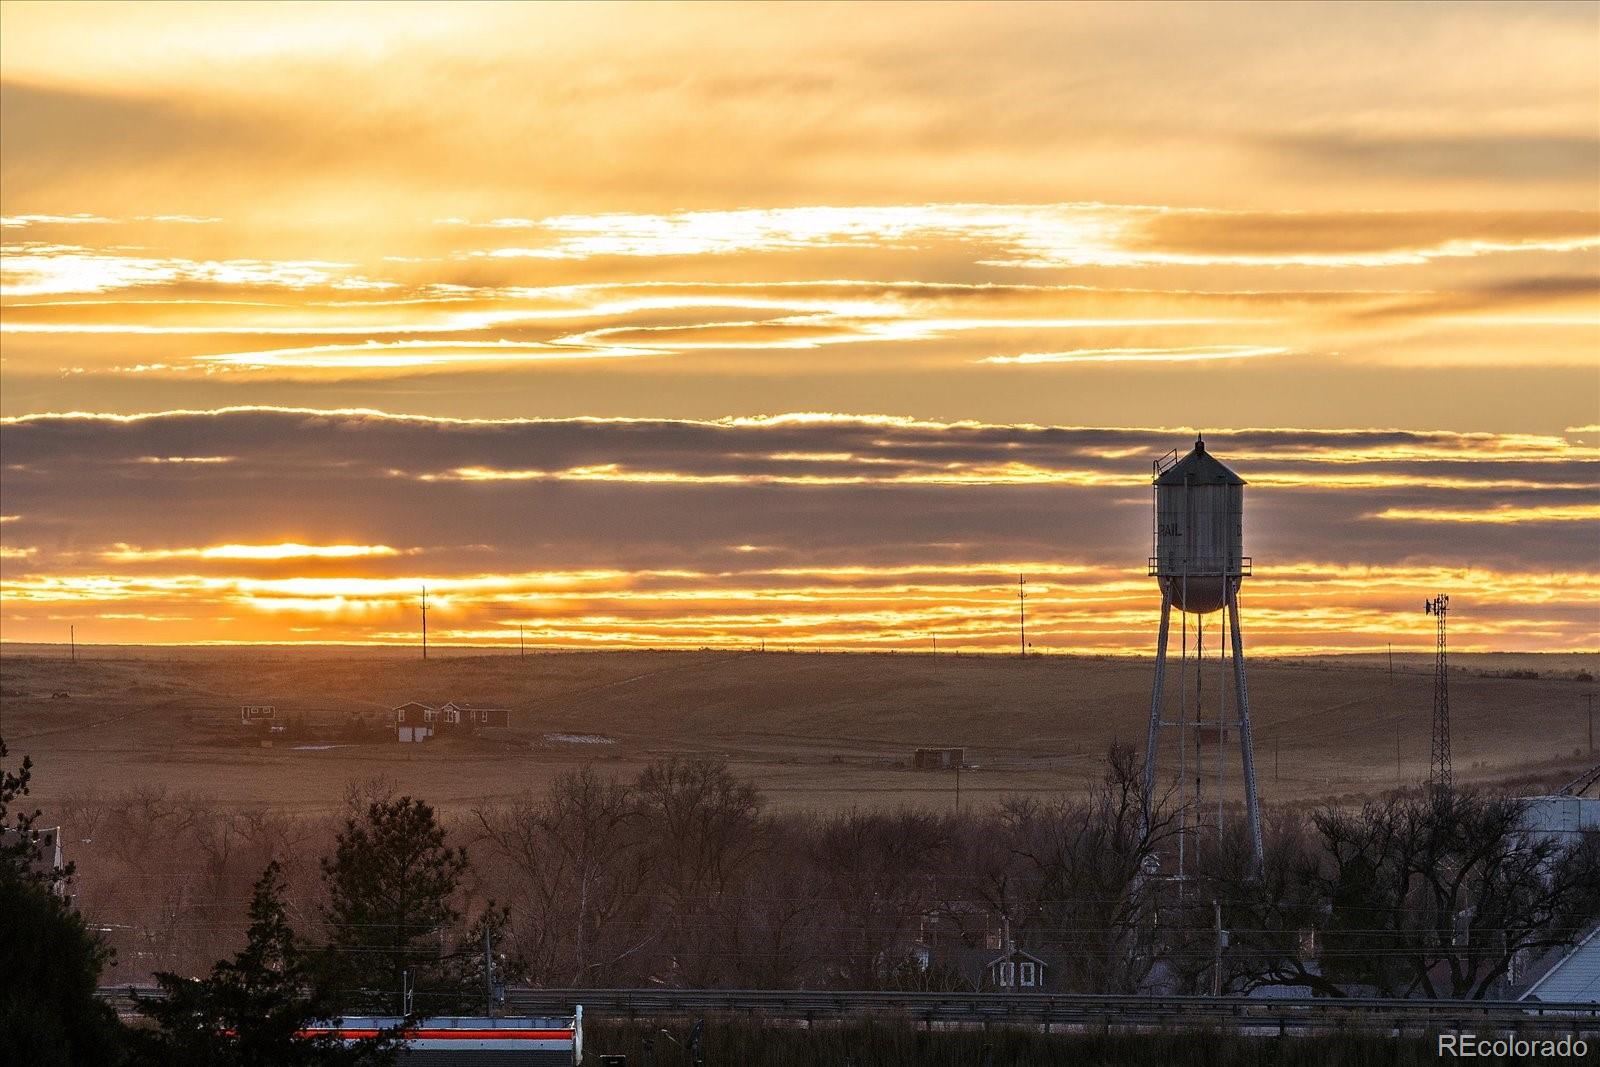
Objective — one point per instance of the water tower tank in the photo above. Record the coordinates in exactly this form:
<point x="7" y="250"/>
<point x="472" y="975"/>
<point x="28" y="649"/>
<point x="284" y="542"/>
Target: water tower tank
<point x="1199" y="534"/>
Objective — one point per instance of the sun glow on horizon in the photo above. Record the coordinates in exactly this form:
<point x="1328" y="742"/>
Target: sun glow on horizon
<point x="716" y="320"/>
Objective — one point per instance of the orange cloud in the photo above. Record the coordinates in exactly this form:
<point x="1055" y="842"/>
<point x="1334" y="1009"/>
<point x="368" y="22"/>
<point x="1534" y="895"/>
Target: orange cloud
<point x="286" y="550"/>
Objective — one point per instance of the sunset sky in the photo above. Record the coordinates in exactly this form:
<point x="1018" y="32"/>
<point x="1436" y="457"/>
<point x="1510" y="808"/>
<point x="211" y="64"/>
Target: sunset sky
<point x="683" y="325"/>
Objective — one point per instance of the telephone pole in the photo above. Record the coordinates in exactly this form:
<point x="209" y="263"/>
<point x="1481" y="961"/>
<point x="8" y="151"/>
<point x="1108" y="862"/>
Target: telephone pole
<point x="1439" y="775"/>
<point x="72" y="638"/>
<point x="424" y="622"/>
<point x="1022" y="617"/>
<point x="522" y="648"/>
<point x="488" y="971"/>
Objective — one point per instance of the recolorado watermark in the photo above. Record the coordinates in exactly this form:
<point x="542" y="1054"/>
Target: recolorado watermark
<point x="1473" y="1046"/>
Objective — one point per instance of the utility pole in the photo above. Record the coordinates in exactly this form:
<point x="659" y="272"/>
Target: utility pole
<point x="1216" y="966"/>
<point x="72" y="638"/>
<point x="1022" y="617"/>
<point x="1398" y="775"/>
<point x="1391" y="662"/>
<point x="1591" y="724"/>
<point x="488" y="971"/>
<point x="522" y="648"/>
<point x="958" y="786"/>
<point x="1439" y="774"/>
<point x="424" y="622"/>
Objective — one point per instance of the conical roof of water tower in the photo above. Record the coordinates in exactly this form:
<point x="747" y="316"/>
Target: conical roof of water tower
<point x="1199" y="467"/>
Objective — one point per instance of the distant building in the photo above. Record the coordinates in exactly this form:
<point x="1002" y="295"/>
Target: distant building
<point x="1569" y="975"/>
<point x="414" y="721"/>
<point x="417" y="721"/>
<point x="937" y="759"/>
<point x="978" y="951"/>
<point x="469" y="716"/>
<point x="1561" y="815"/>
<point x="1006" y="971"/>
<point x="256" y="714"/>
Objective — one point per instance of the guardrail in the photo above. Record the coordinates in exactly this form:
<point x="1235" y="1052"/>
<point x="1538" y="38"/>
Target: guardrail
<point x="1070" y="1010"/>
<point x="1284" y="1015"/>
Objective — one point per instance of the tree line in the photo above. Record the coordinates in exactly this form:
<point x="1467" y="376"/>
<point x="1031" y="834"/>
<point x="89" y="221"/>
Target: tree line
<point x="680" y="876"/>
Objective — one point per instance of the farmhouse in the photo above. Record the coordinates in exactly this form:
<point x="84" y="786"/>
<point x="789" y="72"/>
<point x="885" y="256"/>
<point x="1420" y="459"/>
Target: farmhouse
<point x="417" y="721"/>
<point x="474" y="716"/>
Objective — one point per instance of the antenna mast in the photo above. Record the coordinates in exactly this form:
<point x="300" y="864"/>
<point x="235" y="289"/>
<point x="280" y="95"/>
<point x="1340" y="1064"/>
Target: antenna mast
<point x="424" y="622"/>
<point x="1439" y="775"/>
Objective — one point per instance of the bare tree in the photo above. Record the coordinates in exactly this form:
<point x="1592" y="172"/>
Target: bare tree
<point x="875" y="872"/>
<point x="1426" y="896"/>
<point x="577" y="855"/>
<point x="1084" y="883"/>
<point x="700" y="837"/>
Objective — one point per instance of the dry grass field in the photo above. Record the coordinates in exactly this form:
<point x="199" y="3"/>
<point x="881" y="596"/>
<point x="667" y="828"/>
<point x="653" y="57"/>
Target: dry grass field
<point x="822" y="731"/>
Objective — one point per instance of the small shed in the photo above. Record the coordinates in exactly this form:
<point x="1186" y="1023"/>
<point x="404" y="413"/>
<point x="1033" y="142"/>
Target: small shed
<point x="937" y="759"/>
<point x="414" y="721"/>
<point x="257" y="714"/>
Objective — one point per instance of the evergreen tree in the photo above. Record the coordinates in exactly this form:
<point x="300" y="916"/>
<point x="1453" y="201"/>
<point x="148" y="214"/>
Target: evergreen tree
<point x="20" y="854"/>
<point x="50" y="961"/>
<point x="472" y="974"/>
<point x="390" y="882"/>
<point x="251" y="1011"/>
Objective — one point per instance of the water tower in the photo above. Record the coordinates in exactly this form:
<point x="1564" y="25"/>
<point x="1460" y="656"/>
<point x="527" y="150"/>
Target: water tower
<point x="1198" y="561"/>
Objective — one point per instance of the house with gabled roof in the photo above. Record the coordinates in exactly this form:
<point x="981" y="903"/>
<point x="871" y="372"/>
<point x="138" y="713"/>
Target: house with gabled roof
<point x="471" y="716"/>
<point x="414" y="721"/>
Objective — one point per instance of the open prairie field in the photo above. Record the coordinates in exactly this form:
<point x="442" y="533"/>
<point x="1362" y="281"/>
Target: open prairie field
<point x="815" y="730"/>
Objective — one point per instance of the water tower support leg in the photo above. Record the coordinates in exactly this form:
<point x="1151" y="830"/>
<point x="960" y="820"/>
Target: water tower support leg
<point x="1247" y="751"/>
<point x="1155" y="708"/>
